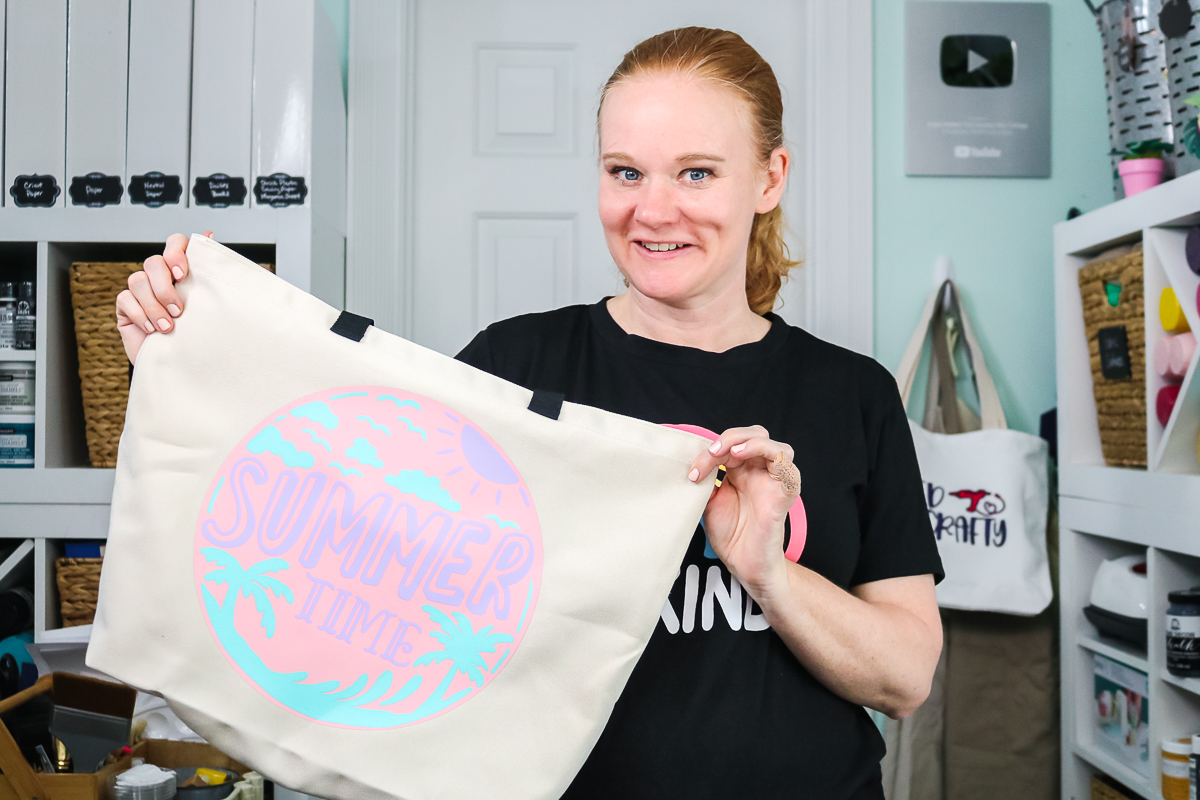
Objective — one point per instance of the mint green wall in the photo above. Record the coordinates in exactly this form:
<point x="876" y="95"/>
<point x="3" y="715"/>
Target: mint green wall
<point x="996" y="230"/>
<point x="339" y="12"/>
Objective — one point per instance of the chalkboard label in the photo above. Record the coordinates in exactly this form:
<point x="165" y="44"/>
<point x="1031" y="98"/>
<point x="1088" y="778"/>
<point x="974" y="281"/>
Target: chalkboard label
<point x="95" y="190"/>
<point x="280" y="190"/>
<point x="219" y="191"/>
<point x="1114" y="353"/>
<point x="155" y="189"/>
<point x="34" y="190"/>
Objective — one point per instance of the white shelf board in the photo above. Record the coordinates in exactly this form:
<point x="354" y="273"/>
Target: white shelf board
<point x="9" y="354"/>
<point x="1162" y="519"/>
<point x="70" y="485"/>
<point x="1187" y="684"/>
<point x="13" y="570"/>
<point x="1127" y="654"/>
<point x="1171" y="204"/>
<point x="80" y="634"/>
<point x="1135" y="780"/>
<point x="141" y="224"/>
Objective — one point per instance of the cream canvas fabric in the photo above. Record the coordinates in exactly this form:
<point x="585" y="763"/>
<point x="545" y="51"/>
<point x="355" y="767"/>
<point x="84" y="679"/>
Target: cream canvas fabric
<point x="368" y="570"/>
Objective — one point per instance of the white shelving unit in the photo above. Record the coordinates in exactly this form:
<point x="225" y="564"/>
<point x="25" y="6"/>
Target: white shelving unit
<point x="62" y="497"/>
<point x="1107" y="511"/>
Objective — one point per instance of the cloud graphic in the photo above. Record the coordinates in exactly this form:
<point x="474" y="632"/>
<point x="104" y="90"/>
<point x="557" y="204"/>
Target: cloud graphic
<point x="426" y="487"/>
<point x="348" y="394"/>
<point x="503" y="523"/>
<point x="269" y="439"/>
<point x="319" y="413"/>
<point x="364" y="452"/>
<point x="373" y="424"/>
<point x="400" y="403"/>
<point x="317" y="439"/>
<point x="412" y="427"/>
<point x="345" y="470"/>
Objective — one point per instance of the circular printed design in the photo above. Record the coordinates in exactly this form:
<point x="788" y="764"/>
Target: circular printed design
<point x="368" y="558"/>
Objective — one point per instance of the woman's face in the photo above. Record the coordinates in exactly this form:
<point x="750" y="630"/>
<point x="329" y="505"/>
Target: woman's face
<point x="680" y="185"/>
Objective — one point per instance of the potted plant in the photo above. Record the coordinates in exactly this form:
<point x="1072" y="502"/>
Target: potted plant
<point x="1141" y="166"/>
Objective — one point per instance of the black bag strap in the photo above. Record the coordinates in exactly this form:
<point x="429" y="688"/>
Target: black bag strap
<point x="352" y="326"/>
<point x="548" y="404"/>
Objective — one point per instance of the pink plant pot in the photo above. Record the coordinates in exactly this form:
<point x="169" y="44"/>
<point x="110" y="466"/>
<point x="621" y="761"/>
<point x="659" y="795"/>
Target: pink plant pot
<point x="1140" y="174"/>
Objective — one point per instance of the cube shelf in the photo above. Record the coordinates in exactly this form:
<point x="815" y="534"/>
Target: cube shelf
<point x="1106" y="512"/>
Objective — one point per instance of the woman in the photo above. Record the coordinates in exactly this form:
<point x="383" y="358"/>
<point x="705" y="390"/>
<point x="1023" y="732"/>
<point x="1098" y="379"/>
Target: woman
<point x="758" y="696"/>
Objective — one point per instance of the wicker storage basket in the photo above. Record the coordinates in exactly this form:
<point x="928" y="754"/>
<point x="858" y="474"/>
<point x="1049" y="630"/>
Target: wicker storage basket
<point x="103" y="367"/>
<point x="78" y="582"/>
<point x="1103" y="791"/>
<point x="1120" y="403"/>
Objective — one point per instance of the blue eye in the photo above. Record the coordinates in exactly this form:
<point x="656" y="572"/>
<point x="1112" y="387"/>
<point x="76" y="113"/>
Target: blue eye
<point x="697" y="174"/>
<point x="627" y="173"/>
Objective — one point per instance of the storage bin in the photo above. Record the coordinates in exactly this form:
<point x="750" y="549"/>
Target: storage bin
<point x="78" y="582"/>
<point x="1105" y="791"/>
<point x="1120" y="401"/>
<point x="103" y="368"/>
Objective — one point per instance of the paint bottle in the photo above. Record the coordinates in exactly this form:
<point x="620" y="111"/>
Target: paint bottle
<point x="8" y="316"/>
<point x="25" y="318"/>
<point x="1194" y="768"/>
<point x="1174" y="768"/>
<point x="1183" y="633"/>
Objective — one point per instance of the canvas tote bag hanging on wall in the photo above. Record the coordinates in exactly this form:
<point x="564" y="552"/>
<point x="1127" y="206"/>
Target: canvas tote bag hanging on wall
<point x="368" y="570"/>
<point x="987" y="488"/>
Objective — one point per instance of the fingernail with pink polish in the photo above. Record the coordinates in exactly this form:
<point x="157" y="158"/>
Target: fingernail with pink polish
<point x="149" y="327"/>
<point x="164" y="324"/>
<point x="739" y="448"/>
<point x="715" y="448"/>
<point x="177" y="272"/>
<point x="174" y="309"/>
<point x="693" y="475"/>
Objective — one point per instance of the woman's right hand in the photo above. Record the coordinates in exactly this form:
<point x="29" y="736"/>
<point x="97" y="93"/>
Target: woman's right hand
<point x="151" y="303"/>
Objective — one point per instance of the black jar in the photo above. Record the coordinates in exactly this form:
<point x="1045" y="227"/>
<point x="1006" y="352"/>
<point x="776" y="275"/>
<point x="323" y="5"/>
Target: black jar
<point x="1183" y="633"/>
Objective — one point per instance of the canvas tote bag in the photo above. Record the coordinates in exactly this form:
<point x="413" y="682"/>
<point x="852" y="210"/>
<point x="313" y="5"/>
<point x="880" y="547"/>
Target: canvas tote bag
<point x="371" y="571"/>
<point x="987" y="489"/>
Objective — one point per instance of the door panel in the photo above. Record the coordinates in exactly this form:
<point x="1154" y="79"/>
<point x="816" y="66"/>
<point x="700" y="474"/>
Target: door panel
<point x="505" y="143"/>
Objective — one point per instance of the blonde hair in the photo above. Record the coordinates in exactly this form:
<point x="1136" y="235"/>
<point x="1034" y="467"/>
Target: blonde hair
<point x="723" y="58"/>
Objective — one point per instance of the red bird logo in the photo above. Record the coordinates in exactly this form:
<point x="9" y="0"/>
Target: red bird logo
<point x="973" y="495"/>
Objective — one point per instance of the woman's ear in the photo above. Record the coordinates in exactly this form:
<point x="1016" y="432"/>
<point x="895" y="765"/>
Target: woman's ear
<point x="775" y="179"/>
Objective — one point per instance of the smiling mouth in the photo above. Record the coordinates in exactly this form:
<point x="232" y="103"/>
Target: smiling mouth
<point x="661" y="247"/>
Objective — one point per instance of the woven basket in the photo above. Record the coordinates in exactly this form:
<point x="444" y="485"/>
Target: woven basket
<point x="103" y="366"/>
<point x="1103" y="791"/>
<point x="1120" y="403"/>
<point x="78" y="586"/>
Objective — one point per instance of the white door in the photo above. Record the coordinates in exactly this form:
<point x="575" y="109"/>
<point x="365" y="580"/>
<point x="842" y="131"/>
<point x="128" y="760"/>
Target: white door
<point x="505" y="148"/>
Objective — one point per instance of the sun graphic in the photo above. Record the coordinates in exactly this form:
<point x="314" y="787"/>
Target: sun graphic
<point x="487" y="462"/>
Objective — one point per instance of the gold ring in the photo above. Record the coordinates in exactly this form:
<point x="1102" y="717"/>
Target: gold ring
<point x="786" y="473"/>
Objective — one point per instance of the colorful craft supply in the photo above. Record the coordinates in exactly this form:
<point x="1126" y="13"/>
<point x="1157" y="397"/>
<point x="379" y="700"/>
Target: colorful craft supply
<point x="1170" y="313"/>
<point x="1183" y="347"/>
<point x="1173" y="356"/>
<point x="1164" y="404"/>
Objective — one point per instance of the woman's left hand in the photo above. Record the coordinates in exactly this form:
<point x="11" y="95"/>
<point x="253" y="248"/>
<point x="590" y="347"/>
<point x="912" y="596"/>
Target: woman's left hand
<point x="745" y="516"/>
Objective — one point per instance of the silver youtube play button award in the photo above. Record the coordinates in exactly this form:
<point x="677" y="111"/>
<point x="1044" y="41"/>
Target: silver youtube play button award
<point x="977" y="89"/>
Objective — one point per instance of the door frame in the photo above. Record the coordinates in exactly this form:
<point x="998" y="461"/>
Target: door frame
<point x="838" y="143"/>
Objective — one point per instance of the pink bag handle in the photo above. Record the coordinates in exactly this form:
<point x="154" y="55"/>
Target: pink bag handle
<point x="797" y="517"/>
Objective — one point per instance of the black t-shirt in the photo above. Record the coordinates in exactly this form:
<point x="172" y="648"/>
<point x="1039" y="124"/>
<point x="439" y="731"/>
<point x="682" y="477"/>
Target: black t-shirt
<point x="717" y="706"/>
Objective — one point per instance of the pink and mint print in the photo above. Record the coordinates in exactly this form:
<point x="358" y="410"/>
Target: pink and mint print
<point x="368" y="558"/>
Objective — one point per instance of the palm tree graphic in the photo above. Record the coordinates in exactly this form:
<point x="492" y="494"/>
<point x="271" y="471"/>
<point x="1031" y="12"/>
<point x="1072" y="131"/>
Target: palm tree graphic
<point x="462" y="645"/>
<point x="250" y="582"/>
